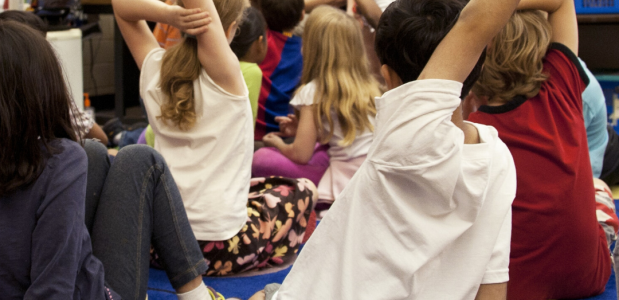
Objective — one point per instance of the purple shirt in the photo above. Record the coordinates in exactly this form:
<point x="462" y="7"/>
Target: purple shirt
<point x="45" y="248"/>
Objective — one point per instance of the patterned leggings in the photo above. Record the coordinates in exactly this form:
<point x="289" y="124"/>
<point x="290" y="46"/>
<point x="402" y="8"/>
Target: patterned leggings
<point x="277" y="213"/>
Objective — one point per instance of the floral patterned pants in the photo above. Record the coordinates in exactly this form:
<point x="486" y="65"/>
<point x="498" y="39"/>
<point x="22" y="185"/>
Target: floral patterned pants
<point x="277" y="212"/>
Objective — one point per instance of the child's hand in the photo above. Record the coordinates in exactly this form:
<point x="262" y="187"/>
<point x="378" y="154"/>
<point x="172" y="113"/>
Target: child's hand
<point x="191" y="21"/>
<point x="273" y="139"/>
<point x="288" y="125"/>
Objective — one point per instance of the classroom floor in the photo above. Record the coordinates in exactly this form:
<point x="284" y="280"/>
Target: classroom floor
<point x="159" y="287"/>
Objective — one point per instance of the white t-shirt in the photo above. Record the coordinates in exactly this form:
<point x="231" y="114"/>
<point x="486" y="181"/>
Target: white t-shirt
<point x="425" y="217"/>
<point x="211" y="162"/>
<point x="359" y="146"/>
<point x="383" y="3"/>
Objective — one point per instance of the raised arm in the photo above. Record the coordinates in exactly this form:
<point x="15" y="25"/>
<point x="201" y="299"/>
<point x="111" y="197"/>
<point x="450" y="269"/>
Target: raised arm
<point x="562" y="19"/>
<point x="214" y="51"/>
<point x="479" y="22"/>
<point x="370" y="10"/>
<point x="131" y="17"/>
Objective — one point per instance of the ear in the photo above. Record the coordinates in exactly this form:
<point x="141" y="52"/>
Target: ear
<point x="392" y="79"/>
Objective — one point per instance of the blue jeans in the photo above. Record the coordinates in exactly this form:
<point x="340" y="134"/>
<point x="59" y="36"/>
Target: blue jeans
<point x="139" y="205"/>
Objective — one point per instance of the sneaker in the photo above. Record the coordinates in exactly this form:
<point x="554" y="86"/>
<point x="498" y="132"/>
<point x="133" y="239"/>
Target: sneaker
<point x="112" y="128"/>
<point x="217" y="296"/>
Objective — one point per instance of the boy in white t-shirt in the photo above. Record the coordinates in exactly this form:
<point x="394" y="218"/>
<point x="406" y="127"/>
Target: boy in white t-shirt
<point x="428" y="215"/>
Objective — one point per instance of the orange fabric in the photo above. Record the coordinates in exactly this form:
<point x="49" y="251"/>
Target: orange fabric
<point x="166" y="35"/>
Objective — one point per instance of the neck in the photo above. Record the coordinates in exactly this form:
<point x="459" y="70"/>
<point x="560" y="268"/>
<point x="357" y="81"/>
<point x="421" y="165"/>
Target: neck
<point x="471" y="136"/>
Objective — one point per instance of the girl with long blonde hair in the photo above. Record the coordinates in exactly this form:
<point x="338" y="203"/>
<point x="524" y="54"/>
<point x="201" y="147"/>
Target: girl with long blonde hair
<point x="335" y="101"/>
<point x="199" y="109"/>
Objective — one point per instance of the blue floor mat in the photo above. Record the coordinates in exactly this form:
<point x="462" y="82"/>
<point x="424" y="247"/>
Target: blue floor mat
<point x="159" y="287"/>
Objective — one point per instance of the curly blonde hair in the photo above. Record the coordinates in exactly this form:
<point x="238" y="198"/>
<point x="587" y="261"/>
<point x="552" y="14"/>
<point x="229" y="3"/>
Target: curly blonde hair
<point x="514" y="61"/>
<point x="181" y="66"/>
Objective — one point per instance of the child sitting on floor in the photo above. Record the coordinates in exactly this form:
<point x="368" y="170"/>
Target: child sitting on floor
<point x="282" y="66"/>
<point x="428" y="214"/>
<point x="46" y="249"/>
<point x="85" y="125"/>
<point x="198" y="107"/>
<point x="250" y="46"/>
<point x="335" y="103"/>
<point x="534" y="83"/>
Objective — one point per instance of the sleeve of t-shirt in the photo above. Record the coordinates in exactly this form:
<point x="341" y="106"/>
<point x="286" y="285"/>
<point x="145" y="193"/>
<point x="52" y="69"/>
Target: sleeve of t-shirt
<point x="57" y="237"/>
<point x="566" y="72"/>
<point x="82" y="122"/>
<point x="150" y="75"/>
<point x="497" y="270"/>
<point x="304" y="97"/>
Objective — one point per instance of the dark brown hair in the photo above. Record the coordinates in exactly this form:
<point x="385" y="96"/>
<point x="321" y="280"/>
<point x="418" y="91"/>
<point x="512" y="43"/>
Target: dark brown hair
<point x="26" y="18"/>
<point x="34" y="105"/>
<point x="408" y="32"/>
<point x="282" y="14"/>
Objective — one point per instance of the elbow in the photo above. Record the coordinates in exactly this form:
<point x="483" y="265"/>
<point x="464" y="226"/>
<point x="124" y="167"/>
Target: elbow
<point x="302" y="157"/>
<point x="301" y="160"/>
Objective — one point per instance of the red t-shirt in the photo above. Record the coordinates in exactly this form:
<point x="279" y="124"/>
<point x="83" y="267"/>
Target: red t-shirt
<point x="558" y="249"/>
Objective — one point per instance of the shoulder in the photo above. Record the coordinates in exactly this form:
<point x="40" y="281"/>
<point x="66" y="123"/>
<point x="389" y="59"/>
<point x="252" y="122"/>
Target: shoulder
<point x="561" y="59"/>
<point x="69" y="155"/>
<point x="153" y="60"/>
<point x="304" y="96"/>
<point x="250" y="69"/>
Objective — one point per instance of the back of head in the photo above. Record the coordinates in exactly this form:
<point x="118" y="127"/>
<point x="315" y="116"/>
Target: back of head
<point x="180" y="67"/>
<point x="335" y="59"/>
<point x="514" y="64"/>
<point x="34" y="104"/>
<point x="409" y="31"/>
<point x="282" y="15"/>
<point x="26" y="18"/>
<point x="251" y="29"/>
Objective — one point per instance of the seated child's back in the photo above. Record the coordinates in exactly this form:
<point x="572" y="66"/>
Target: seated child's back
<point x="426" y="216"/>
<point x="282" y="66"/>
<point x="558" y="249"/>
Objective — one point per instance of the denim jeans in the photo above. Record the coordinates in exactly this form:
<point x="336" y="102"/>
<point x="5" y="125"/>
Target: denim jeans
<point x="138" y="204"/>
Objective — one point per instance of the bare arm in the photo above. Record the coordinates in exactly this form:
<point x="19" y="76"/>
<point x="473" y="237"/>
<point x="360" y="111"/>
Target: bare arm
<point x="497" y="291"/>
<point x="370" y="10"/>
<point x="479" y="22"/>
<point x="302" y="149"/>
<point x="311" y="4"/>
<point x="214" y="51"/>
<point x="131" y="15"/>
<point x="97" y="133"/>
<point x="562" y="19"/>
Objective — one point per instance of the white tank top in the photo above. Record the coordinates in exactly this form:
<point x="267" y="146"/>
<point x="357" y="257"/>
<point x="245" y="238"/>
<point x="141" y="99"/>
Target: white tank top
<point x="211" y="162"/>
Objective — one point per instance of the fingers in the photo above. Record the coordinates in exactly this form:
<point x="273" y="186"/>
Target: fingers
<point x="188" y="12"/>
<point x="195" y="17"/>
<point x="197" y="31"/>
<point x="282" y="118"/>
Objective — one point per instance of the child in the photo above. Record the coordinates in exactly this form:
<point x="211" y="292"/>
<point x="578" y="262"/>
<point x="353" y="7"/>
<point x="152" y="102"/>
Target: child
<point x="282" y="66"/>
<point x="533" y="82"/>
<point x="335" y="102"/>
<point x="85" y="126"/>
<point x="428" y="214"/>
<point x="250" y="46"/>
<point x="46" y="246"/>
<point x="198" y="107"/>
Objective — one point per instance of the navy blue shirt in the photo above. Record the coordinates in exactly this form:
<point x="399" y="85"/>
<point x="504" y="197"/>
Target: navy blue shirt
<point x="45" y="249"/>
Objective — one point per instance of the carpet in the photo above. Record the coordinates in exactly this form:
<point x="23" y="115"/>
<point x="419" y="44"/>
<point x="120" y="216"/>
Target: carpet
<point x="244" y="286"/>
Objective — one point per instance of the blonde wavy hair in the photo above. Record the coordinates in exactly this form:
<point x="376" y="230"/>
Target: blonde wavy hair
<point x="334" y="58"/>
<point x="514" y="61"/>
<point x="181" y="66"/>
